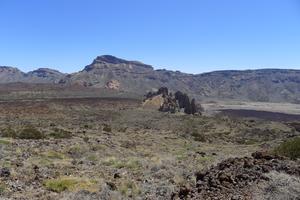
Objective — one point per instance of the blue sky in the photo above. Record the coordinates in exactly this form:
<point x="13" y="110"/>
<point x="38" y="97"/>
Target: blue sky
<point x="188" y="35"/>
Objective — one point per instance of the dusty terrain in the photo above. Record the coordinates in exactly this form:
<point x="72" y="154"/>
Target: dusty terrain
<point x="112" y="148"/>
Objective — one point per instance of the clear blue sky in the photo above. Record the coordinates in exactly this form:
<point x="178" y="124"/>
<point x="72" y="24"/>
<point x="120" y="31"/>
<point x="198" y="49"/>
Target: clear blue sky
<point x="188" y="35"/>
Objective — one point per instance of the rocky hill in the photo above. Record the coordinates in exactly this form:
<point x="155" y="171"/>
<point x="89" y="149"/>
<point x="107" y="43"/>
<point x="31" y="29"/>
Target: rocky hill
<point x="41" y="75"/>
<point x="271" y="85"/>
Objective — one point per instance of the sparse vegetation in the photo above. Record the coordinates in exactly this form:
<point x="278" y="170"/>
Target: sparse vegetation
<point x="107" y="128"/>
<point x="53" y="155"/>
<point x="8" y="132"/>
<point x="200" y="137"/>
<point x="69" y="183"/>
<point x="4" y="142"/>
<point x="130" y="152"/>
<point x="2" y="188"/>
<point x="129" y="163"/>
<point x="289" y="148"/>
<point x="60" y="134"/>
<point x="129" y="188"/>
<point x="60" y="185"/>
<point x="30" y="133"/>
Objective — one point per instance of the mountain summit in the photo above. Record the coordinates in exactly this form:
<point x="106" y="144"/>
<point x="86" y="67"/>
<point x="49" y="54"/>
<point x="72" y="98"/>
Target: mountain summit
<point x="109" y="59"/>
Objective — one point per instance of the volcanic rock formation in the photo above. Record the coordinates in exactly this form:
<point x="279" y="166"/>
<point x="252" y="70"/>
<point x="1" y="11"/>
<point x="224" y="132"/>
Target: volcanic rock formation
<point x="169" y="103"/>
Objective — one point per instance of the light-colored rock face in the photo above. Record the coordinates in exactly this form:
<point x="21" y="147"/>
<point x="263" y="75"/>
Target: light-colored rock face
<point x="153" y="103"/>
<point x="113" y="84"/>
<point x="11" y="74"/>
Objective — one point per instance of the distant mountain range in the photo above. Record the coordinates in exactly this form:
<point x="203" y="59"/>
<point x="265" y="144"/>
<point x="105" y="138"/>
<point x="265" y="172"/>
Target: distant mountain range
<point x="271" y="85"/>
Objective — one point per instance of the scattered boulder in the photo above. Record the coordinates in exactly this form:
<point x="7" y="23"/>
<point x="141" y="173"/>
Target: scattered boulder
<point x="4" y="172"/>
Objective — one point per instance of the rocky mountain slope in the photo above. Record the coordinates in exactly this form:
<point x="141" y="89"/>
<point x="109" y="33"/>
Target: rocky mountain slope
<point x="41" y="75"/>
<point x="271" y="85"/>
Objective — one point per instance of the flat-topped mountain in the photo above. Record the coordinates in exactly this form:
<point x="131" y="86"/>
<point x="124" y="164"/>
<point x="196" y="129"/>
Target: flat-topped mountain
<point x="273" y="85"/>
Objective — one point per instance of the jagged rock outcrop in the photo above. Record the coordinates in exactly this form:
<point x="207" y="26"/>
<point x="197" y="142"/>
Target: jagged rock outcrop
<point x="170" y="103"/>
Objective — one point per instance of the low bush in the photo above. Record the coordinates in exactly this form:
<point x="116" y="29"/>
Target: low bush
<point x="107" y="128"/>
<point x="71" y="184"/>
<point x="8" y="132"/>
<point x="30" y="133"/>
<point x="60" y="185"/>
<point x="289" y="148"/>
<point x="60" y="134"/>
<point x="2" y="188"/>
<point x="26" y="133"/>
<point x="198" y="136"/>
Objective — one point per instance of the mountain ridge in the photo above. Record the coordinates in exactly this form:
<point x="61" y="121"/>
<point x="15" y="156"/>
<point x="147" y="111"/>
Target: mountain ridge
<point x="272" y="85"/>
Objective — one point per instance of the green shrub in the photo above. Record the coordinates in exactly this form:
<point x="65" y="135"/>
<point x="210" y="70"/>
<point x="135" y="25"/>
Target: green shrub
<point x="129" y="163"/>
<point x="107" y="128"/>
<point x="71" y="184"/>
<point x="289" y="148"/>
<point x="30" y="133"/>
<point x="60" y="134"/>
<point x="4" y="142"/>
<point x="53" y="155"/>
<point x="86" y="139"/>
<point x="198" y="136"/>
<point x="8" y="132"/>
<point x="60" y="185"/>
<point x="2" y="188"/>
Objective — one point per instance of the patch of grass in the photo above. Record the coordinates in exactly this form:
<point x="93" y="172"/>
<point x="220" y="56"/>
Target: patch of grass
<point x="2" y="188"/>
<point x="60" y="185"/>
<point x="77" y="150"/>
<point x="92" y="158"/>
<point x="4" y="142"/>
<point x="130" y="163"/>
<point x="289" y="148"/>
<point x="60" y="134"/>
<point x="69" y="184"/>
<point x="129" y="188"/>
<point x="181" y="157"/>
<point x="30" y="133"/>
<point x="53" y="155"/>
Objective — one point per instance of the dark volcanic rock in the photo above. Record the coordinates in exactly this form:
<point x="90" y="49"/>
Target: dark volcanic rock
<point x="4" y="172"/>
<point x="174" y="104"/>
<point x="163" y="90"/>
<point x="194" y="108"/>
<point x="232" y="177"/>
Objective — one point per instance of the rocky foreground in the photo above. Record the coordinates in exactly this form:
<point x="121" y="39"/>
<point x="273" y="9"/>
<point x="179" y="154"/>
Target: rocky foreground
<point x="238" y="178"/>
<point x="100" y="148"/>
